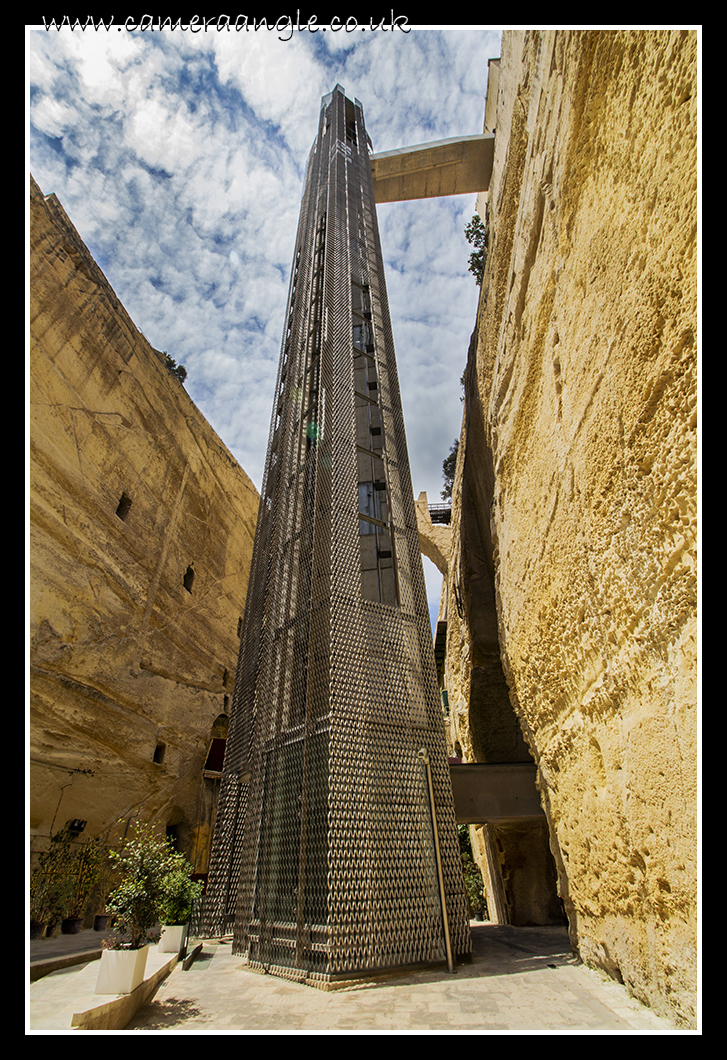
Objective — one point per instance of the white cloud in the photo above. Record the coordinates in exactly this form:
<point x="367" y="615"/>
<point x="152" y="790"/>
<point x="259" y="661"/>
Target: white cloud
<point x="180" y="160"/>
<point x="290" y="96"/>
<point x="53" y="117"/>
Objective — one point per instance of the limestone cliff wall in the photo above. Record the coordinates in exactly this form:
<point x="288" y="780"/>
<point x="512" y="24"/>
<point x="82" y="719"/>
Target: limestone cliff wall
<point x="130" y="667"/>
<point x="578" y="465"/>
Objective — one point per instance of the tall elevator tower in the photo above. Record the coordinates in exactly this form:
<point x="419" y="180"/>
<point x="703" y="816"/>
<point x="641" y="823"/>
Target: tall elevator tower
<point x="334" y="856"/>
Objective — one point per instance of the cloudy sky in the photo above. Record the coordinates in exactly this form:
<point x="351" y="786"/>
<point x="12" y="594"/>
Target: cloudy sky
<point x="180" y="158"/>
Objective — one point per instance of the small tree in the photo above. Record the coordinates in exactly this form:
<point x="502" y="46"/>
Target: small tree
<point x="476" y="234"/>
<point x="53" y="884"/>
<point x="143" y="862"/>
<point x="449" y="466"/>
<point x="44" y="899"/>
<point x="107" y="876"/>
<point x="179" y="893"/>
<point x="176" y="369"/>
<point x="85" y="869"/>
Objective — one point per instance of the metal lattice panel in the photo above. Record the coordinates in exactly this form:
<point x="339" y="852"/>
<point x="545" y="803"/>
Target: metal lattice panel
<point x="325" y="856"/>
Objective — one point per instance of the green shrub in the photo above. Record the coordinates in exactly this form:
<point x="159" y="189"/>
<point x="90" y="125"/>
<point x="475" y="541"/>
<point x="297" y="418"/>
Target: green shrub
<point x="179" y="893"/>
<point x="142" y="863"/>
<point x="154" y="886"/>
<point x="62" y="884"/>
<point x="473" y="885"/>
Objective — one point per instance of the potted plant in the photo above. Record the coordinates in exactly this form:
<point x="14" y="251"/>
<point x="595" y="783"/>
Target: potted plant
<point x="51" y="887"/>
<point x="179" y="893"/>
<point x="82" y="870"/>
<point x="40" y="904"/>
<point x="101" y="920"/>
<point x="107" y="879"/>
<point x="143" y="862"/>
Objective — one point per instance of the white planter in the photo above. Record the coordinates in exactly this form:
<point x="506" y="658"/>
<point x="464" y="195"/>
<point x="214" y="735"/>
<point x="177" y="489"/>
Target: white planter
<point x="121" y="971"/>
<point x="172" y="938"/>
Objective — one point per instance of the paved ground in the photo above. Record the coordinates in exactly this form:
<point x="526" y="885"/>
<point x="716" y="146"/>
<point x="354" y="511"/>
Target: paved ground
<point x="520" y="979"/>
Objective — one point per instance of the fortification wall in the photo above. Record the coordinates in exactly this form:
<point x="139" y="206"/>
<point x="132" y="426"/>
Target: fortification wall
<point x="579" y="462"/>
<point x="129" y="667"/>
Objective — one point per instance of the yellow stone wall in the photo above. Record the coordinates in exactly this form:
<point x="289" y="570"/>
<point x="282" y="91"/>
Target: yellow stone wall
<point x="124" y="659"/>
<point x="581" y="440"/>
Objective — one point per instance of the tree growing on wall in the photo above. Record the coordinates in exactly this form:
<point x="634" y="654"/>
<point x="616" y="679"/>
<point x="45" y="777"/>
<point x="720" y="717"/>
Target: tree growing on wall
<point x="449" y="466"/>
<point x="476" y="234"/>
<point x="176" y="369"/>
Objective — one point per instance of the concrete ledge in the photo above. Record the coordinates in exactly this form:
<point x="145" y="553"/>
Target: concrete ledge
<point x="113" y="1015"/>
<point x="191" y="957"/>
<point x="40" y="968"/>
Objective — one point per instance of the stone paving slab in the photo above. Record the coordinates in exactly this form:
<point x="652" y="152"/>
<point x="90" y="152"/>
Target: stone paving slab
<point x="520" y="979"/>
<point x="71" y="990"/>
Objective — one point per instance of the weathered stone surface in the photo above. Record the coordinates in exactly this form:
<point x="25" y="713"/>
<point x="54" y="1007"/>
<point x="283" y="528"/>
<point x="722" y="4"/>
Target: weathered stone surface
<point x="129" y="668"/>
<point x="434" y="541"/>
<point x="581" y="435"/>
<point x="515" y="862"/>
<point x="518" y="872"/>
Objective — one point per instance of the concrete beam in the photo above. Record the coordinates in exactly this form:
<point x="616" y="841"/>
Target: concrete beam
<point x="487" y="793"/>
<point x="456" y="166"/>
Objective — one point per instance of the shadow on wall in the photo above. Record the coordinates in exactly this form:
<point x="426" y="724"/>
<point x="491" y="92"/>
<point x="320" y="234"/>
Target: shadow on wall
<point x="520" y="875"/>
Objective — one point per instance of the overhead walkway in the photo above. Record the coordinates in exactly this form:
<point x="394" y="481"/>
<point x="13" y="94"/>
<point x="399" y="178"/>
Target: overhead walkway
<point x="495" y="793"/>
<point x="457" y="166"/>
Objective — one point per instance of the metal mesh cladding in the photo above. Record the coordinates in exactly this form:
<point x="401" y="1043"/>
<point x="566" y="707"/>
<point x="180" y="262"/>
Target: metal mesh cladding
<point x="324" y="855"/>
